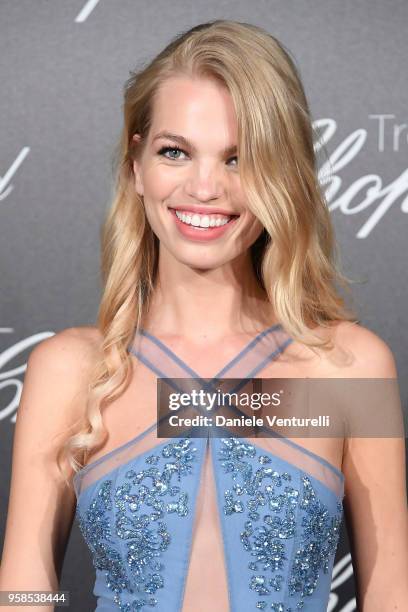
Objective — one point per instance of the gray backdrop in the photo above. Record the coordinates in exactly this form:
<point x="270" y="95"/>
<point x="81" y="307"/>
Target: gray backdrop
<point x="64" y="66"/>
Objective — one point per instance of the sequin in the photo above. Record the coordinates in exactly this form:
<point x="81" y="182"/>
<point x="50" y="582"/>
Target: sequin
<point x="288" y="535"/>
<point x="319" y="542"/>
<point x="132" y="512"/>
<point x="284" y="509"/>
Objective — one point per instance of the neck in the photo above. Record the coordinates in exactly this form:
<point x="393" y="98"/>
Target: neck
<point x="209" y="304"/>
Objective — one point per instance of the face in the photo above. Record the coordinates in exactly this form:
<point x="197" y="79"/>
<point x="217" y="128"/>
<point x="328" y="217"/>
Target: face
<point x="188" y="175"/>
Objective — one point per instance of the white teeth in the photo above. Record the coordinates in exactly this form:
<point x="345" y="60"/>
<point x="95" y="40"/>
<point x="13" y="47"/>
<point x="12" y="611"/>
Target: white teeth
<point x="204" y="221"/>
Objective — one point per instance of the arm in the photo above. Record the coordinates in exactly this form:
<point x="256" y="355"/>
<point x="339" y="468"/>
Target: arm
<point x="375" y="502"/>
<point x="41" y="507"/>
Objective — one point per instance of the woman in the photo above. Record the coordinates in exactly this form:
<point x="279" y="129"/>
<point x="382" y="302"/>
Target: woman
<point x="218" y="250"/>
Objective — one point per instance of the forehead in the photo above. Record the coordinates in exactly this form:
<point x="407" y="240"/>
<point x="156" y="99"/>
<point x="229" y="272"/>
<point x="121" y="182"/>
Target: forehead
<point x="194" y="107"/>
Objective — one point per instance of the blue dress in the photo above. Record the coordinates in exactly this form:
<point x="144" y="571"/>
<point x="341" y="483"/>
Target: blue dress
<point x="212" y="524"/>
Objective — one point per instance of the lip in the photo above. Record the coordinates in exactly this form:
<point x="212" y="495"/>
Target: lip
<point x="205" y="210"/>
<point x="202" y="235"/>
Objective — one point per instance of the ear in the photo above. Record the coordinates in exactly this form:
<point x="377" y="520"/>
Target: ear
<point x="137" y="169"/>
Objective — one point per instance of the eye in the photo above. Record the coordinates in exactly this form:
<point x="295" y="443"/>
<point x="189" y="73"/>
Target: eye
<point x="164" y="150"/>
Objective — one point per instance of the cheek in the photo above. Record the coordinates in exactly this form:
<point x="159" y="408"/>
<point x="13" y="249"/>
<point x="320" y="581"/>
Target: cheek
<point x="159" y="182"/>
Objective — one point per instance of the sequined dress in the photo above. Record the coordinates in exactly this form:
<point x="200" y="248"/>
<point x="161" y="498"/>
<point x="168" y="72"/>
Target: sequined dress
<point x="210" y="524"/>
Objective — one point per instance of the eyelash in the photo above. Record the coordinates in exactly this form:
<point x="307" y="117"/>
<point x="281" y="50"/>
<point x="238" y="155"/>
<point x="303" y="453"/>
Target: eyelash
<point x="163" y="150"/>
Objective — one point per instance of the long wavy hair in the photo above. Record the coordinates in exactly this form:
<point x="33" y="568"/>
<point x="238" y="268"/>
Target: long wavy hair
<point x="295" y="259"/>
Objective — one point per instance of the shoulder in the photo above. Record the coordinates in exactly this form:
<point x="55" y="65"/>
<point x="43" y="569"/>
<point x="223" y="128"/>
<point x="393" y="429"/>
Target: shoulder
<point x="73" y="347"/>
<point x="359" y="352"/>
<point x="56" y="382"/>
<point x="373" y="356"/>
<point x="62" y="365"/>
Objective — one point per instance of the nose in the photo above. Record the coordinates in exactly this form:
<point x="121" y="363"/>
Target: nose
<point x="204" y="182"/>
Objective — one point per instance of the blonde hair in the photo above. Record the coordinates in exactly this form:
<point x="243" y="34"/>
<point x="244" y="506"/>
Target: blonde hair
<point x="295" y="257"/>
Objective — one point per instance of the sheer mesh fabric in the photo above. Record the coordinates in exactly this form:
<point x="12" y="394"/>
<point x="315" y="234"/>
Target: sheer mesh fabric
<point x="206" y="583"/>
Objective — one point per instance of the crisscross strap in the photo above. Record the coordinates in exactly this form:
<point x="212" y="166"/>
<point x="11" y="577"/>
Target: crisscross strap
<point x="164" y="363"/>
<point x="252" y="359"/>
<point x="249" y="362"/>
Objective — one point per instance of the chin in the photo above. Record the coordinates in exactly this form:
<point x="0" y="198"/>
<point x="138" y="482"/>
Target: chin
<point x="203" y="263"/>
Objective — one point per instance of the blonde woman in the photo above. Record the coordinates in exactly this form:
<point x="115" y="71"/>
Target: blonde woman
<point x="218" y="261"/>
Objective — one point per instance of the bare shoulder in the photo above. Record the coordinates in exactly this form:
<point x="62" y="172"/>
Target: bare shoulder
<point x="60" y="367"/>
<point x="357" y="352"/>
<point x="370" y="355"/>
<point x="70" y="349"/>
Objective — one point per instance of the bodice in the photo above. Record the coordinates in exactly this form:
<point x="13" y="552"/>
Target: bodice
<point x="212" y="523"/>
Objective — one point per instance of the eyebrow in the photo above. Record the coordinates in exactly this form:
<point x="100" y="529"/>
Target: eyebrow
<point x="180" y="139"/>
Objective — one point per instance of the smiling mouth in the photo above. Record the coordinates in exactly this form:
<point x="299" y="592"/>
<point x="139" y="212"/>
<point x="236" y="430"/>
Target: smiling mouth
<point x="202" y="221"/>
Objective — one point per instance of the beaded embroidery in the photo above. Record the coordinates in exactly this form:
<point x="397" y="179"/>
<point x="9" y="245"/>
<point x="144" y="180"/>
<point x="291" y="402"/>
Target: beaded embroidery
<point x="266" y="542"/>
<point x="145" y="535"/>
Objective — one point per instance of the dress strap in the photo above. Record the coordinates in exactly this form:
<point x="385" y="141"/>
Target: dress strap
<point x="252" y="359"/>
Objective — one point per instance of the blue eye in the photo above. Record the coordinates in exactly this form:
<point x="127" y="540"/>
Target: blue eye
<point x="164" y="150"/>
